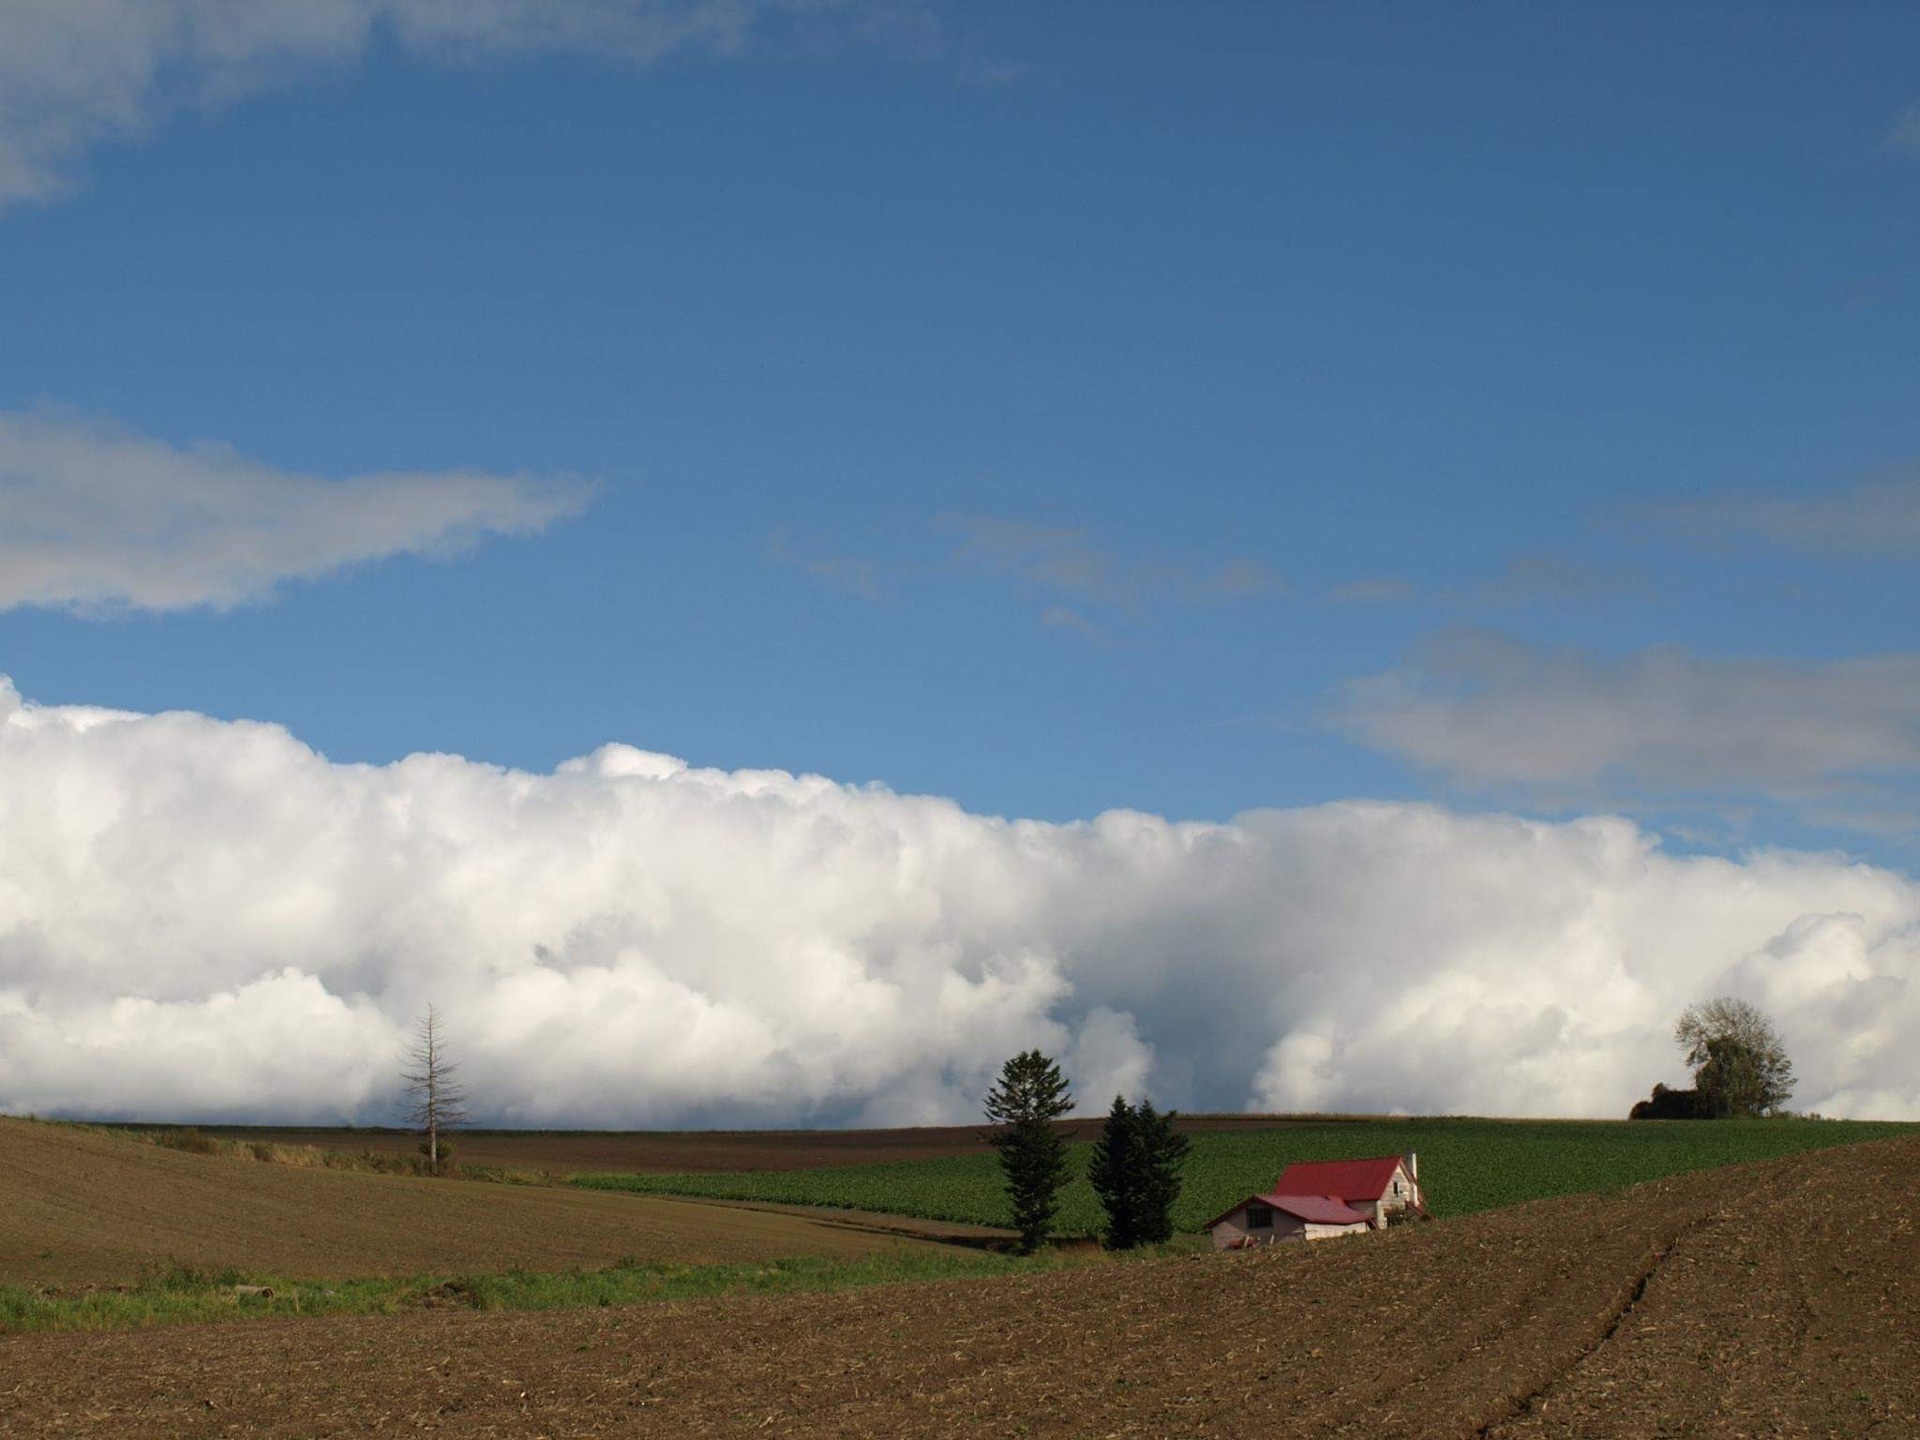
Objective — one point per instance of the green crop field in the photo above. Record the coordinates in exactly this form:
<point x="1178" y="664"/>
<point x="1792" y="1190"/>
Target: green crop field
<point x="1465" y="1165"/>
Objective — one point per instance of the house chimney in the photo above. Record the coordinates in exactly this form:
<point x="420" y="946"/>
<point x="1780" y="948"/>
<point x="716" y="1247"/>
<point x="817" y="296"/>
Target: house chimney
<point x="1413" y="1167"/>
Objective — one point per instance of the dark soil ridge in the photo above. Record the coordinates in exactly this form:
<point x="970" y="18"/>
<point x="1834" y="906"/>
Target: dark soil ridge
<point x="1536" y="1399"/>
<point x="1778" y="1299"/>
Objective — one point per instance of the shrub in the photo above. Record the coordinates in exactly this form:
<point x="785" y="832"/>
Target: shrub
<point x="189" y="1140"/>
<point x="1666" y="1104"/>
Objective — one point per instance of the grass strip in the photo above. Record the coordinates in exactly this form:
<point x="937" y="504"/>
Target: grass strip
<point x="185" y="1295"/>
<point x="1466" y="1165"/>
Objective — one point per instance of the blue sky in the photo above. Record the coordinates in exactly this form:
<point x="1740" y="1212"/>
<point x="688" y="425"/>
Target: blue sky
<point x="1480" y="450"/>
<point x="1054" y="410"/>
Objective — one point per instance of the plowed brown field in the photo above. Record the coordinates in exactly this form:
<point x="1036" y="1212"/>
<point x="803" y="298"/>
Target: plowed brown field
<point x="1769" y="1300"/>
<point x="83" y="1207"/>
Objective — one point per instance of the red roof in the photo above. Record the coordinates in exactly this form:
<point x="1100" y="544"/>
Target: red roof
<point x="1318" y="1209"/>
<point x="1347" y="1180"/>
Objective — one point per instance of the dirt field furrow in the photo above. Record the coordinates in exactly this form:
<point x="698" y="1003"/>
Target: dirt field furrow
<point x="1774" y="1300"/>
<point x="1793" y="1309"/>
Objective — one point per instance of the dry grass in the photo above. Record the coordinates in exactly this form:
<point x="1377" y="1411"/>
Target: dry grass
<point x="275" y="1148"/>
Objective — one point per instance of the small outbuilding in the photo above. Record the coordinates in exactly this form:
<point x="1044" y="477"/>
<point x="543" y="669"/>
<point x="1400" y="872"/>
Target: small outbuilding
<point x="1319" y="1199"/>
<point x="1271" y="1219"/>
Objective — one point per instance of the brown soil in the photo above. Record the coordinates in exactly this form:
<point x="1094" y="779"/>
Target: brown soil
<point x="687" y="1152"/>
<point x="82" y="1207"/>
<point x="1773" y="1300"/>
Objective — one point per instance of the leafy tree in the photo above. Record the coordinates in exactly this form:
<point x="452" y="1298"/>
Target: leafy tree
<point x="1030" y="1095"/>
<point x="1135" y="1170"/>
<point x="439" y="1101"/>
<point x="1740" y="1064"/>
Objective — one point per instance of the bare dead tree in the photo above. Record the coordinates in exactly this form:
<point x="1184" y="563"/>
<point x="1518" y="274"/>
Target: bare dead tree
<point x="439" y="1101"/>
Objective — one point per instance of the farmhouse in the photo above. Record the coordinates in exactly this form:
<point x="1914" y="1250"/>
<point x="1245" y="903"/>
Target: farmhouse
<point x="1319" y="1199"/>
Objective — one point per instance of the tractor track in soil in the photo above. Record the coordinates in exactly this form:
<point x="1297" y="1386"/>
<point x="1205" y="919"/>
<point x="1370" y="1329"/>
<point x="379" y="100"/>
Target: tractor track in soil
<point x="1537" y="1399"/>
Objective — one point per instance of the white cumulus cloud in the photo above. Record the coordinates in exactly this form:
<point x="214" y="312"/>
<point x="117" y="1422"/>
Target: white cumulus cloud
<point x="93" y="517"/>
<point x="74" y="73"/>
<point x="202" y="918"/>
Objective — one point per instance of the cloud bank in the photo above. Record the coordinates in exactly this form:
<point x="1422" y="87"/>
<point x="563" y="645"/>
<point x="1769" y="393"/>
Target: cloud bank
<point x="74" y="73"/>
<point x="1488" y="711"/>
<point x="92" y="517"/>
<point x="201" y="919"/>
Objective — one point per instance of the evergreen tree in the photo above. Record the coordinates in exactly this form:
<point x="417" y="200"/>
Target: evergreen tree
<point x="1112" y="1171"/>
<point x="1161" y="1152"/>
<point x="1135" y="1170"/>
<point x="1030" y="1096"/>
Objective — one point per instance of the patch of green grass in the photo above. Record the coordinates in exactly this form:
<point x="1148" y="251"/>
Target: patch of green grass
<point x="186" y="1295"/>
<point x="1465" y="1165"/>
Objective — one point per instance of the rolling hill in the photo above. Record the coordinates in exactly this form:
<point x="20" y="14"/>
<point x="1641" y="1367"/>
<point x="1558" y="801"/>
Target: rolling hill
<point x="80" y="1206"/>
<point x="1773" y="1299"/>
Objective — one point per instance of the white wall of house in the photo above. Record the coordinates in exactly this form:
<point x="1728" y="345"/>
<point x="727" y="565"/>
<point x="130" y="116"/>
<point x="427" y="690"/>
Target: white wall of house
<point x="1401" y="1191"/>
<point x="1332" y="1232"/>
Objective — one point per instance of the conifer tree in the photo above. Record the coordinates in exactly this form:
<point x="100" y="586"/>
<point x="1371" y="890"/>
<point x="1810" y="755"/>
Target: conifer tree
<point x="1111" y="1171"/>
<point x="1161" y="1151"/>
<point x="1135" y="1170"/>
<point x="1030" y="1096"/>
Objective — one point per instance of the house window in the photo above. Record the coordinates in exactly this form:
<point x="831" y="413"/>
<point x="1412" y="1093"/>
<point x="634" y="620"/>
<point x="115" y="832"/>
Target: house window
<point x="1259" y="1217"/>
